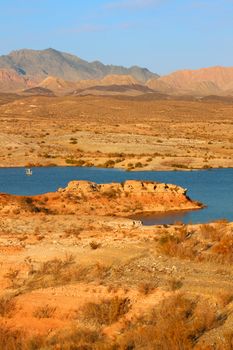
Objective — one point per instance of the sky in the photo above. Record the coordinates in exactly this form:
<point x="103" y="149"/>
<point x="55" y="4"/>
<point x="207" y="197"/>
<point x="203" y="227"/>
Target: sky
<point x="162" y="35"/>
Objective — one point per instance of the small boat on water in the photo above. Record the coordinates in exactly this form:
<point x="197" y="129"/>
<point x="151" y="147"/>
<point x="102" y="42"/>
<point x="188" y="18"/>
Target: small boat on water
<point x="28" y="172"/>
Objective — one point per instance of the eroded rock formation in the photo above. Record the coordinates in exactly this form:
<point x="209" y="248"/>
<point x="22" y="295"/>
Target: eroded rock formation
<point x="120" y="199"/>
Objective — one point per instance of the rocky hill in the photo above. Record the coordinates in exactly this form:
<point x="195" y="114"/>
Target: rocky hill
<point x="10" y="80"/>
<point x="40" y="64"/>
<point x="58" y="85"/>
<point x="205" y="81"/>
<point x="112" y="85"/>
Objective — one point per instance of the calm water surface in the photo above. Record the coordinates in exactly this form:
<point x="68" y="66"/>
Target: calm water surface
<point x="214" y="188"/>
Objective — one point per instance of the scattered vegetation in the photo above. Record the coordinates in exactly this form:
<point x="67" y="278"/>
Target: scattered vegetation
<point x="109" y="163"/>
<point x="213" y="243"/>
<point x="107" y="311"/>
<point x="177" y="323"/>
<point x="179" y="166"/>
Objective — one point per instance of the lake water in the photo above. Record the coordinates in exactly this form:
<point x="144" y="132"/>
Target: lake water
<point x="214" y="187"/>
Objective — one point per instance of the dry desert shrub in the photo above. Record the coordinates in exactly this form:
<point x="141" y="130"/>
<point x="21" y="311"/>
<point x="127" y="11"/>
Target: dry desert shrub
<point x="33" y="206"/>
<point x="54" y="272"/>
<point x="94" y="245"/>
<point x="73" y="231"/>
<point x="45" y="311"/>
<point x="7" y="306"/>
<point x="109" y="163"/>
<point x="107" y="311"/>
<point x="214" y="233"/>
<point x="12" y="276"/>
<point x="174" y="283"/>
<point x="147" y="287"/>
<point x="188" y="245"/>
<point x="71" y="339"/>
<point x="223" y="250"/>
<point x="53" y="267"/>
<point x="176" y="246"/>
<point x="177" y="324"/>
<point x="225" y="297"/>
<point x="12" y="339"/>
<point x="58" y="272"/>
<point x="74" y="339"/>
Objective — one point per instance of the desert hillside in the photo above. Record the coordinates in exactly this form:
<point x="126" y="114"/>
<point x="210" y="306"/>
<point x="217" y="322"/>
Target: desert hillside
<point x="10" y="80"/>
<point x="110" y="84"/>
<point x="206" y="81"/>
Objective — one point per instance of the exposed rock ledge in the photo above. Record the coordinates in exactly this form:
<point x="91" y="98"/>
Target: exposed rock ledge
<point x="132" y="195"/>
<point x="121" y="199"/>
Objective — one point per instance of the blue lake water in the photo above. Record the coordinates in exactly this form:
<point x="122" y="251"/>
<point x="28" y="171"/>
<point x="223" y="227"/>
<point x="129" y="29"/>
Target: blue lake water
<point x="213" y="187"/>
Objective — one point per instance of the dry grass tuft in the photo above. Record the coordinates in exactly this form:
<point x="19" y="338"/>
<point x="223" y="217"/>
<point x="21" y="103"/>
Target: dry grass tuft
<point x="7" y="306"/>
<point x="67" y="339"/>
<point x="213" y="243"/>
<point x="94" y="245"/>
<point x="12" y="339"/>
<point x="175" y="283"/>
<point x="12" y="276"/>
<point x="73" y="231"/>
<point x="75" y="339"/>
<point x="225" y="297"/>
<point x="45" y="311"/>
<point x="147" y="287"/>
<point x="107" y="311"/>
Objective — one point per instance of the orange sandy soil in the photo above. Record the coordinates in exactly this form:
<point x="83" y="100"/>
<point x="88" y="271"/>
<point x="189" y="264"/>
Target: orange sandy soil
<point x="57" y="270"/>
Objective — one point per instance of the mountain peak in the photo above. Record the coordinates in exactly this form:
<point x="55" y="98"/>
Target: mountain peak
<point x="51" y="62"/>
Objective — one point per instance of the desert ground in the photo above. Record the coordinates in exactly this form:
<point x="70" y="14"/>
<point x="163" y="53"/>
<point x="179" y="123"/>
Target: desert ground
<point x="76" y="272"/>
<point x="74" y="278"/>
<point x="147" y="132"/>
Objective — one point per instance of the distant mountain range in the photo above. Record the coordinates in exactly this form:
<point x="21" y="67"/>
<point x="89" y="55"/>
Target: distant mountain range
<point x="51" y="72"/>
<point x="50" y="62"/>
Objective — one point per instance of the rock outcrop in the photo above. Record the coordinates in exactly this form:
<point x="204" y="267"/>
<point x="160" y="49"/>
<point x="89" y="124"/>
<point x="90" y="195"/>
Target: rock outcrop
<point x="132" y="196"/>
<point x="115" y="199"/>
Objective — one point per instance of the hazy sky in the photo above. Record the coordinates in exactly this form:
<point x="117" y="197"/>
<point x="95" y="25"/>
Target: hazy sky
<point x="162" y="35"/>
